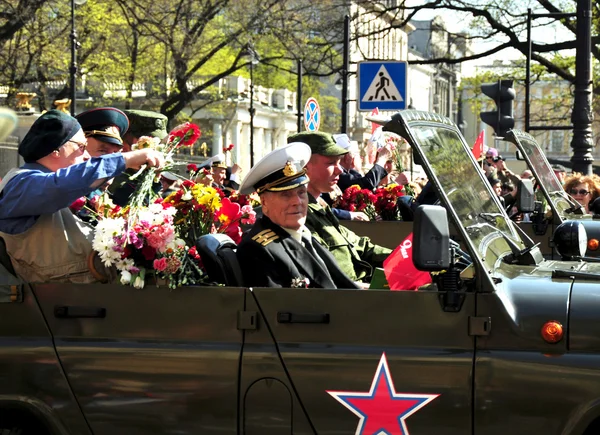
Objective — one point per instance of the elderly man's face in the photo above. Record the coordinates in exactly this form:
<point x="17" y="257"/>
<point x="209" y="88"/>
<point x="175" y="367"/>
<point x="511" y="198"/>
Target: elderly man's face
<point x="97" y="148"/>
<point x="219" y="175"/>
<point x="73" y="151"/>
<point x="287" y="208"/>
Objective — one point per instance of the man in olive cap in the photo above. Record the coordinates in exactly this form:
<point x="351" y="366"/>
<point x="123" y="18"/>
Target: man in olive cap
<point x="279" y="251"/>
<point x="356" y="255"/>
<point x="141" y="123"/>
<point x="45" y="241"/>
<point x="144" y="123"/>
<point x="104" y="128"/>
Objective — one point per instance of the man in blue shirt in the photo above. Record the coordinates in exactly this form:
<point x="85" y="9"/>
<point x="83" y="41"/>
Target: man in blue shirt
<point x="45" y="241"/>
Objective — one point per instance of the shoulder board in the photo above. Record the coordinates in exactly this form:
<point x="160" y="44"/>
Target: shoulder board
<point x="265" y="237"/>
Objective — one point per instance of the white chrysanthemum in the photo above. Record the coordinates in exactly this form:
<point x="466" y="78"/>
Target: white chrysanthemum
<point x="155" y="208"/>
<point x="187" y="196"/>
<point x="104" y="242"/>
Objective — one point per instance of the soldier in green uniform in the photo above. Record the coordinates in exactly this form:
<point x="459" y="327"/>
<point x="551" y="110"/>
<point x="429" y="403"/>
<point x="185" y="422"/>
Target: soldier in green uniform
<point x="141" y="123"/>
<point x="144" y="123"/>
<point x="357" y="256"/>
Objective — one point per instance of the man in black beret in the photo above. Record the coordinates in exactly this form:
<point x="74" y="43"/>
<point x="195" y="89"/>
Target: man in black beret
<point x="45" y="241"/>
<point x="104" y="128"/>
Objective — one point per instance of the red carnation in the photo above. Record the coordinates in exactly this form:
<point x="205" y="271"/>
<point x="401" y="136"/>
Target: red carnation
<point x="185" y="134"/>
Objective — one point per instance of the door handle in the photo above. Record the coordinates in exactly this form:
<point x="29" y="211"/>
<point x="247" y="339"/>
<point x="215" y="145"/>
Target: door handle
<point x="74" y="312"/>
<point x="287" y="317"/>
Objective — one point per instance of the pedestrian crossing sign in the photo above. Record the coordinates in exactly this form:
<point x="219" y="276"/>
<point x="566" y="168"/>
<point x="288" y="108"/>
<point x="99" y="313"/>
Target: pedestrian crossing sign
<point x="382" y="85"/>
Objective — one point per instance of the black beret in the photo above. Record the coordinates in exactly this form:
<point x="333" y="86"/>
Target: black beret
<point x="48" y="133"/>
<point x="96" y="122"/>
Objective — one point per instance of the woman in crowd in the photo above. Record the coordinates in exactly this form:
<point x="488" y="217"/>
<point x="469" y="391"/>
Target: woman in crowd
<point x="583" y="188"/>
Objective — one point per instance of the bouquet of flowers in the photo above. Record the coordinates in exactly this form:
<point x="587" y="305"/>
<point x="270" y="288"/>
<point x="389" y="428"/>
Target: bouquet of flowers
<point x="148" y="243"/>
<point x="357" y="199"/>
<point x="386" y="202"/>
<point x="184" y="135"/>
<point x="204" y="209"/>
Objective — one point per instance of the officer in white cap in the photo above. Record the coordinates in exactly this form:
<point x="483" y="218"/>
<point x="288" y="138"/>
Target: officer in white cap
<point x="279" y="251"/>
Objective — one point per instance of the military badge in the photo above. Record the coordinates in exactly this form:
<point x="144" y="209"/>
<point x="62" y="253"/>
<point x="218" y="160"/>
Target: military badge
<point x="300" y="282"/>
<point x="289" y="169"/>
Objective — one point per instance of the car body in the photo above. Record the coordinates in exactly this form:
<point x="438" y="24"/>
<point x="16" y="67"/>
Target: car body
<point x="464" y="354"/>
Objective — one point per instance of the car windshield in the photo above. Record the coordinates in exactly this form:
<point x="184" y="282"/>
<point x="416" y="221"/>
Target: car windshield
<point x="464" y="183"/>
<point x="544" y="171"/>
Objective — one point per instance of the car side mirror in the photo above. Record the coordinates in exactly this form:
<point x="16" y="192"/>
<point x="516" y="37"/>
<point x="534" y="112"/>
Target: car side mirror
<point x="431" y="238"/>
<point x="526" y="198"/>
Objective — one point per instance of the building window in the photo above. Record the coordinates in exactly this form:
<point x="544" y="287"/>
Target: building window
<point x="557" y="141"/>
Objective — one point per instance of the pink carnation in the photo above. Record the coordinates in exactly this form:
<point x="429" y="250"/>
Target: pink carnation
<point x="160" y="264"/>
<point x="248" y="215"/>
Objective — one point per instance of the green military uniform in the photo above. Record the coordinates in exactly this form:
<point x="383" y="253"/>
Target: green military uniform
<point x="355" y="255"/>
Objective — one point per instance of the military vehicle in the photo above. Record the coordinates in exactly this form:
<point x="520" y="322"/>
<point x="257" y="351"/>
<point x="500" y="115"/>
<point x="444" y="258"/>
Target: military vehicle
<point x="502" y="341"/>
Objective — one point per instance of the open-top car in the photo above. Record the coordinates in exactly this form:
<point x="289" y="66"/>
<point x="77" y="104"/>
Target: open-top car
<point x="501" y="341"/>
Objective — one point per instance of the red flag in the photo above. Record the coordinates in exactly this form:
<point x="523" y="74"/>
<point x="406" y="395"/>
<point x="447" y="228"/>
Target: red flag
<point x="374" y="126"/>
<point x="400" y="272"/>
<point x="478" y="146"/>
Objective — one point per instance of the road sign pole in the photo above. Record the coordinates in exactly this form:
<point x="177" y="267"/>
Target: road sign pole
<point x="299" y="96"/>
<point x="345" y="72"/>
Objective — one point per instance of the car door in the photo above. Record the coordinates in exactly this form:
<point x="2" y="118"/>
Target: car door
<point x="149" y="361"/>
<point x="368" y="361"/>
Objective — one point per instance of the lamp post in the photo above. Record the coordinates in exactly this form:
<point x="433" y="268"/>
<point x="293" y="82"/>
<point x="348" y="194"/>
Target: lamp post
<point x="74" y="44"/>
<point x="254" y="60"/>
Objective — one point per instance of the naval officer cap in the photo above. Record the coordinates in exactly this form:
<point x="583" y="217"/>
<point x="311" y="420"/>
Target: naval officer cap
<point x="281" y="169"/>
<point x="107" y="124"/>
<point x="147" y="123"/>
<point x="319" y="142"/>
<point x="48" y="133"/>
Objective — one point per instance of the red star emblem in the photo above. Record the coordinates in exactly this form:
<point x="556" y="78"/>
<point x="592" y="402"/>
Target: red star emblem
<point x="382" y="410"/>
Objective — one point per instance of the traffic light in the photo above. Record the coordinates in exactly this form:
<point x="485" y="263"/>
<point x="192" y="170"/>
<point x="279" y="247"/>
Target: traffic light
<point x="503" y="95"/>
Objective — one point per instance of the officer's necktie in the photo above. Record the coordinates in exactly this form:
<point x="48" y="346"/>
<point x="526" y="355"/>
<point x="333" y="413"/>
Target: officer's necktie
<point x="308" y="244"/>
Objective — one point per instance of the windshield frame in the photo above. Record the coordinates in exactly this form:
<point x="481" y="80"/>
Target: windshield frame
<point x="487" y="257"/>
<point x="544" y="174"/>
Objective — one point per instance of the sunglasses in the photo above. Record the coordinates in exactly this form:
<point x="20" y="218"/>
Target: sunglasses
<point x="580" y="192"/>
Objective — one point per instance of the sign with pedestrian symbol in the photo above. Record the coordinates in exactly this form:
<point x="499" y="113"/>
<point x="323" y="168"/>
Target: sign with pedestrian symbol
<point x="312" y="115"/>
<point x="382" y="85"/>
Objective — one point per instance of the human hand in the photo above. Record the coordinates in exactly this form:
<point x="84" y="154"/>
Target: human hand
<point x="401" y="179"/>
<point x="236" y="168"/>
<point x="383" y="155"/>
<point x="152" y="158"/>
<point x="359" y="216"/>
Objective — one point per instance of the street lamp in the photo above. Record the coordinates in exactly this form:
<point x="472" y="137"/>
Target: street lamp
<point x="254" y="60"/>
<point x="74" y="44"/>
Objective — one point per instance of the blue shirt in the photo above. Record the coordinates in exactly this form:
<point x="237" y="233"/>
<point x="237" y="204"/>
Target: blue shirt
<point x="38" y="190"/>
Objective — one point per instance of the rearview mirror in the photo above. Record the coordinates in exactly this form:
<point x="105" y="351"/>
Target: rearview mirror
<point x="431" y="239"/>
<point x="519" y="156"/>
<point x="526" y="198"/>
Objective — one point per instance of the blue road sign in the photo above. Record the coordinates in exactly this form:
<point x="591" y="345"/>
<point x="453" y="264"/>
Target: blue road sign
<point x="382" y="85"/>
<point x="312" y="115"/>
